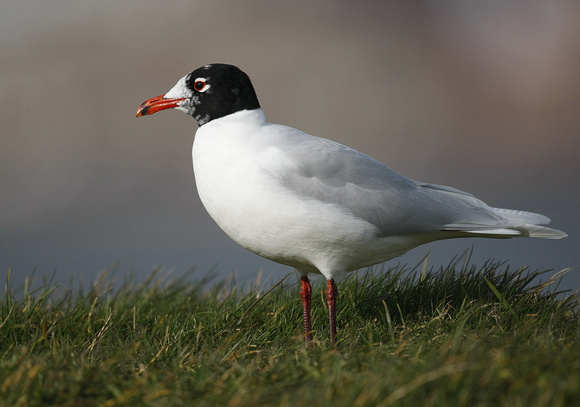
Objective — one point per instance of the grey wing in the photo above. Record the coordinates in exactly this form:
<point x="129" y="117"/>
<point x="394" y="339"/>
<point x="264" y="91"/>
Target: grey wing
<point x="326" y="171"/>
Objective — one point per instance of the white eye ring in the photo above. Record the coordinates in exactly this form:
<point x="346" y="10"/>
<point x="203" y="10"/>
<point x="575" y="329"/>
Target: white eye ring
<point x="200" y="85"/>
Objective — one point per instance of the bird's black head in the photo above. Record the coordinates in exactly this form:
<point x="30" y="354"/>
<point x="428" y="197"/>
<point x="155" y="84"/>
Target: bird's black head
<point x="206" y="94"/>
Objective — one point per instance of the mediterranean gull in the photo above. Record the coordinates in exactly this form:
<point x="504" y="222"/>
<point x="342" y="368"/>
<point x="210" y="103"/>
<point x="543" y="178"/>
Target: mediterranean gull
<point x="311" y="203"/>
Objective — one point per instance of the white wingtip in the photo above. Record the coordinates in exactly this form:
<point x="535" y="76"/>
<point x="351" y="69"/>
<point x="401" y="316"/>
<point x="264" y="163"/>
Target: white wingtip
<point x="526" y="230"/>
<point x="541" y="232"/>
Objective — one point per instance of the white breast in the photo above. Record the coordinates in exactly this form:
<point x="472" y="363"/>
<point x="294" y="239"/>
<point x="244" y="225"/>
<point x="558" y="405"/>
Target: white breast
<point x="235" y="161"/>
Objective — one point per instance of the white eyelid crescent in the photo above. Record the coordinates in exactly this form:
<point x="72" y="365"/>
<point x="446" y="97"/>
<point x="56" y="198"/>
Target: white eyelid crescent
<point x="207" y="85"/>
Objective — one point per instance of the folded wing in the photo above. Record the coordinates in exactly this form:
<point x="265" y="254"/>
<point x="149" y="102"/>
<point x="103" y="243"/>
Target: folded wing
<point x="326" y="171"/>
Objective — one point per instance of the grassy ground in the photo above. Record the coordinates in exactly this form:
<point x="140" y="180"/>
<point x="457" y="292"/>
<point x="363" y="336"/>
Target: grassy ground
<point x="486" y="336"/>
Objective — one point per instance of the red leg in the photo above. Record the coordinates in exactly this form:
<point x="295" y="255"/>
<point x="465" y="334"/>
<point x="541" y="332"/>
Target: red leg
<point x="306" y="295"/>
<point x="331" y="294"/>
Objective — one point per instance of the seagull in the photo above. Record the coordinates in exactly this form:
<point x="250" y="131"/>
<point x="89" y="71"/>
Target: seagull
<point x="312" y="203"/>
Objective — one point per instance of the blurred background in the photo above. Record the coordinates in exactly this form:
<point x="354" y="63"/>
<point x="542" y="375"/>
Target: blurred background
<point x="481" y="96"/>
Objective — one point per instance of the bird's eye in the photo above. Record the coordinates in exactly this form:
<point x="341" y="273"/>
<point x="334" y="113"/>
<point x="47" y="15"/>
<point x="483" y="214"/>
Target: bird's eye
<point x="200" y="85"/>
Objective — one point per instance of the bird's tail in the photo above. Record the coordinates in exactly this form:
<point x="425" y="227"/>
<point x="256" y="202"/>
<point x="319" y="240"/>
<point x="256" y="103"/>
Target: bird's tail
<point x="522" y="223"/>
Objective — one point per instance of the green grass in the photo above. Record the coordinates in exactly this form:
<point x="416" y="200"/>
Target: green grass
<point x="459" y="336"/>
